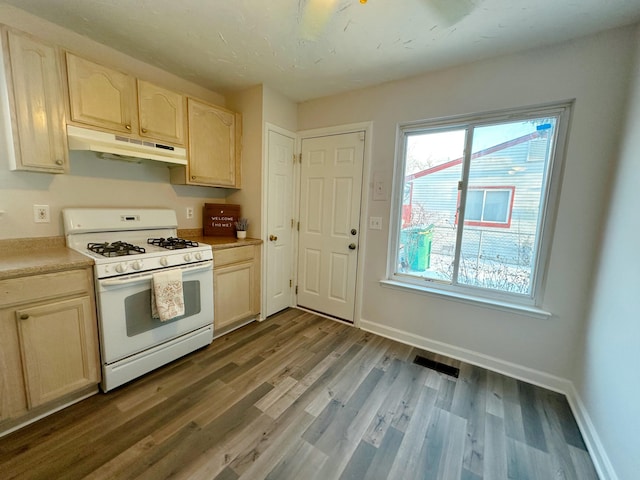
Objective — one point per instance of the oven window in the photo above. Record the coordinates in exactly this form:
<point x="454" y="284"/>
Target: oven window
<point x="137" y="308"/>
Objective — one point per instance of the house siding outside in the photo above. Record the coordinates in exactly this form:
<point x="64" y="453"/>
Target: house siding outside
<point x="434" y="200"/>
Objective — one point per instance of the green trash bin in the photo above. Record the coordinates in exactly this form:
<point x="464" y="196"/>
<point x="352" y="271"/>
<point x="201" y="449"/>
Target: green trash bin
<point x="417" y="247"/>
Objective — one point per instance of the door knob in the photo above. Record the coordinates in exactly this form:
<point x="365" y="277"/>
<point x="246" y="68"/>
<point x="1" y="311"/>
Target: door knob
<point x="273" y="238"/>
<point x="352" y="246"/>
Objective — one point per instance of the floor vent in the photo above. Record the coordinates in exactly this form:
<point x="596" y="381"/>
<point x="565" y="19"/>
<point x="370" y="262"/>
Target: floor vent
<point x="437" y="366"/>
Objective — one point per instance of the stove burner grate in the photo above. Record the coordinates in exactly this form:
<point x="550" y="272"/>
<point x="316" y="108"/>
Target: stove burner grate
<point x="172" y="243"/>
<point x="115" y="249"/>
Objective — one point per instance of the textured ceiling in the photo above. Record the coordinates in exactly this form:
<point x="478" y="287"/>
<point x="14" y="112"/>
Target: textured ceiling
<point x="312" y="48"/>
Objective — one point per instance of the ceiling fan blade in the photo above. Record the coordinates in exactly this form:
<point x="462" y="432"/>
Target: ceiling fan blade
<point x="315" y="16"/>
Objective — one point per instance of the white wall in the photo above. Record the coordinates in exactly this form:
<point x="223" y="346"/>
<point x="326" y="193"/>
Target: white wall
<point x="258" y="105"/>
<point x="279" y="110"/>
<point x="92" y="181"/>
<point x="249" y="103"/>
<point x="607" y="378"/>
<point x="594" y="71"/>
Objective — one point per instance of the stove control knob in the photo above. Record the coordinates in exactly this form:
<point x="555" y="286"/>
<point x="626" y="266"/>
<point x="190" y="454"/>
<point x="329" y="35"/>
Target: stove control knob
<point x="121" y="267"/>
<point x="187" y="257"/>
<point x="164" y="261"/>
<point x="137" y="265"/>
<point x="198" y="256"/>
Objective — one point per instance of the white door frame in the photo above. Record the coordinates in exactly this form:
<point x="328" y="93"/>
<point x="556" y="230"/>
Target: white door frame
<point x="264" y="214"/>
<point x="367" y="127"/>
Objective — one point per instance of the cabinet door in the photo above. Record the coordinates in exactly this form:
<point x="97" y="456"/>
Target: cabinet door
<point x="38" y="104"/>
<point x="12" y="396"/>
<point x="161" y="113"/>
<point x="234" y="293"/>
<point x="101" y="97"/>
<point x="213" y="153"/>
<point x="58" y="343"/>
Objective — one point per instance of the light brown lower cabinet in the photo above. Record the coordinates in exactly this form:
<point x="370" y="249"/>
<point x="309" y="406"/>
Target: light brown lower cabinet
<point x="48" y="344"/>
<point x="236" y="286"/>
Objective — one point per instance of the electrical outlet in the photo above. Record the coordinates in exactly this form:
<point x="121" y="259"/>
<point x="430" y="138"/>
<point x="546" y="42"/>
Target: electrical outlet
<point x="189" y="212"/>
<point x="41" y="214"/>
<point x="375" y="223"/>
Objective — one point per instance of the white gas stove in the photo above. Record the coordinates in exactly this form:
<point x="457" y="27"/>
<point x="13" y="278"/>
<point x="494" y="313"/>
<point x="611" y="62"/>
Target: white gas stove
<point x="131" y="246"/>
<point x="124" y="241"/>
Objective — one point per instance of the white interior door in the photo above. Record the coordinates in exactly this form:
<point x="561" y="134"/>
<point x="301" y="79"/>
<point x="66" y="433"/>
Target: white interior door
<point x="279" y="245"/>
<point x="330" y="189"/>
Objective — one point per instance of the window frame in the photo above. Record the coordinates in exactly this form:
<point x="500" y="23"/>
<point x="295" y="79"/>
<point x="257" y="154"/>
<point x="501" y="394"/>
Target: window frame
<point x="548" y="209"/>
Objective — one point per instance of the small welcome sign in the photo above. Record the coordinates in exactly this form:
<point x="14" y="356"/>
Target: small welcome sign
<point x="218" y="219"/>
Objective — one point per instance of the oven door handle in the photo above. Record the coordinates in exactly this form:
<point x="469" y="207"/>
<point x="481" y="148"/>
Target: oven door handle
<point x="125" y="281"/>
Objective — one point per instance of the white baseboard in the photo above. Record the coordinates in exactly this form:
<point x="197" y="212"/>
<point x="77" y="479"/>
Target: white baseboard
<point x="592" y="440"/>
<point x="526" y="374"/>
<point x="590" y="436"/>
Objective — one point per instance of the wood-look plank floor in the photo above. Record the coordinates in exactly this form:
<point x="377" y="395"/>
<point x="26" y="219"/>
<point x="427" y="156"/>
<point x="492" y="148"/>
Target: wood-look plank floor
<point x="302" y="397"/>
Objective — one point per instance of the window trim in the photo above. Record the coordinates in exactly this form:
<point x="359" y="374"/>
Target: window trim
<point x="548" y="213"/>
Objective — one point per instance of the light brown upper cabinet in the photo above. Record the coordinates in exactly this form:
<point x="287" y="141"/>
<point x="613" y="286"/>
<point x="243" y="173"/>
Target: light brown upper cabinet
<point x="215" y="139"/>
<point x="100" y="96"/>
<point x="35" y="97"/>
<point x="161" y="113"/>
<point x="111" y="100"/>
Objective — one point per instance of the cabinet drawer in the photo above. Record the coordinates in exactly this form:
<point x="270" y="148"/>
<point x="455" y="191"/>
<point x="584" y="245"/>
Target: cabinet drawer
<point x="33" y="288"/>
<point x="233" y="255"/>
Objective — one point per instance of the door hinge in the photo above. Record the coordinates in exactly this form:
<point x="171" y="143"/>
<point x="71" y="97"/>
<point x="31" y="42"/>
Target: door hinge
<point x="298" y="226"/>
<point x="293" y="223"/>
<point x="290" y="283"/>
<point x="296" y="289"/>
<point x="460" y="184"/>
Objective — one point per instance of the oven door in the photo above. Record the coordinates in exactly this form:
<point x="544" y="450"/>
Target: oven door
<point x="124" y="311"/>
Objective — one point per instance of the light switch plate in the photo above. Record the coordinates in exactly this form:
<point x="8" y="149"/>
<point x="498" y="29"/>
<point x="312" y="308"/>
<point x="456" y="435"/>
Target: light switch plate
<point x="379" y="187"/>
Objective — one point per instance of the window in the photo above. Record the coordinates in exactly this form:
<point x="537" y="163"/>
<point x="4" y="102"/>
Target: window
<point x="489" y="206"/>
<point x="473" y="213"/>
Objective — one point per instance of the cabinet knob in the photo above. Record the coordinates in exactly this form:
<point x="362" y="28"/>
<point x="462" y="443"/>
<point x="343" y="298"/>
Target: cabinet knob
<point x="59" y="162"/>
<point x="273" y="238"/>
<point x="144" y="130"/>
<point x="24" y="316"/>
<point x="128" y="127"/>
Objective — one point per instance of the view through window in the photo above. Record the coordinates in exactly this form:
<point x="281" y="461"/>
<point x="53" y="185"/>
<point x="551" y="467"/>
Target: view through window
<point x="475" y="221"/>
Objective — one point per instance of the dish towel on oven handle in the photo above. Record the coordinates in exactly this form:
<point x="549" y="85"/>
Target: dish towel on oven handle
<point x="167" y="299"/>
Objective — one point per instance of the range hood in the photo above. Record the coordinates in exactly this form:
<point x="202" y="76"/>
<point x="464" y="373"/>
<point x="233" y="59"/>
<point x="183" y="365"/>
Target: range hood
<point x="119" y="147"/>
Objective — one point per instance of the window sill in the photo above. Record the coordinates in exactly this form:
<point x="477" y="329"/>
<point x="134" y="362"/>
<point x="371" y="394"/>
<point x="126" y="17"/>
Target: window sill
<point x="484" y="302"/>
